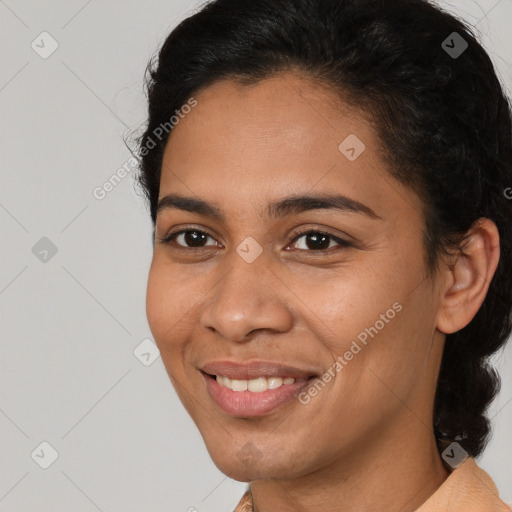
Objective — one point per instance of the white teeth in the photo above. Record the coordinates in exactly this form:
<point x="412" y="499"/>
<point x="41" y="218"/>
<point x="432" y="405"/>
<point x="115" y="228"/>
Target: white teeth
<point x="255" y="385"/>
<point x="238" y="385"/>
<point x="274" y="382"/>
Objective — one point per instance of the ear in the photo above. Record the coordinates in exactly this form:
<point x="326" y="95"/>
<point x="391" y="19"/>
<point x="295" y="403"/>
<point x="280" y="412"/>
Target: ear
<point x="467" y="277"/>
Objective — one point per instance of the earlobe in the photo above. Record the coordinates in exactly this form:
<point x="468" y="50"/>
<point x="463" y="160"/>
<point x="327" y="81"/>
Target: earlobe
<point x="468" y="277"/>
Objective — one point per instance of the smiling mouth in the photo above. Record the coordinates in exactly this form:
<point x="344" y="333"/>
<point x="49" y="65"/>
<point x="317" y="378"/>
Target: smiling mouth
<point x="254" y="397"/>
<point x="258" y="384"/>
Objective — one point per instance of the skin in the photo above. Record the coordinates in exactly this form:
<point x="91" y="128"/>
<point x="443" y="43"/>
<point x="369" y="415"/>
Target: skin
<point x="366" y="441"/>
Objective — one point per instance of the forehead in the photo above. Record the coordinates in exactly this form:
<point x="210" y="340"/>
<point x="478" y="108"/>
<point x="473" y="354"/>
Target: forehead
<point x="285" y="107"/>
<point x="283" y="135"/>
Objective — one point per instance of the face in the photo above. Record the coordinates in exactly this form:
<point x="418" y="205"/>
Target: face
<point x="330" y="291"/>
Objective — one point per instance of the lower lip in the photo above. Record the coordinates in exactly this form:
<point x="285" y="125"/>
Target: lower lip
<point x="249" y="404"/>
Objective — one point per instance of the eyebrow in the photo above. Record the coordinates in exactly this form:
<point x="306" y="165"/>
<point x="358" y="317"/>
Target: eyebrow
<point x="280" y="208"/>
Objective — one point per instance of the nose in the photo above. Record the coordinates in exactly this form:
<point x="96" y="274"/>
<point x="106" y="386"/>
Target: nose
<point x="248" y="298"/>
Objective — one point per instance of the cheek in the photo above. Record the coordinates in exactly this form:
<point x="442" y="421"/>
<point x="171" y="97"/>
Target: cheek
<point x="376" y="316"/>
<point x="164" y="307"/>
<point x="349" y="300"/>
<point x="172" y="298"/>
<point x="155" y="305"/>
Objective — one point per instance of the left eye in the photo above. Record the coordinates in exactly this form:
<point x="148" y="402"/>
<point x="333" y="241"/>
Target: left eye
<point x="319" y="241"/>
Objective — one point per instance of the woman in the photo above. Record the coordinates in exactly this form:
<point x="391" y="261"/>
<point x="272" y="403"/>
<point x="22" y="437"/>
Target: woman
<point x="331" y="265"/>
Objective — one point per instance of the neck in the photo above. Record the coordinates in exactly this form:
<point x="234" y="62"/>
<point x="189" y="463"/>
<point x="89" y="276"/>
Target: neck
<point x="399" y="474"/>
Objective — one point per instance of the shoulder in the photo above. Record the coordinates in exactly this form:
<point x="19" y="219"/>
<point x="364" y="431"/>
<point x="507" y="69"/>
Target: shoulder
<point x="467" y="489"/>
<point x="245" y="504"/>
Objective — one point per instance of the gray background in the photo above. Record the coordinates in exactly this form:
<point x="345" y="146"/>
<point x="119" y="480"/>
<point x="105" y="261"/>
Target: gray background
<point x="71" y="323"/>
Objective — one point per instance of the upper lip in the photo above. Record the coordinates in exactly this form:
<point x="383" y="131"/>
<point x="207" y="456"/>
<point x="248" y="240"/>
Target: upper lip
<point x="248" y="370"/>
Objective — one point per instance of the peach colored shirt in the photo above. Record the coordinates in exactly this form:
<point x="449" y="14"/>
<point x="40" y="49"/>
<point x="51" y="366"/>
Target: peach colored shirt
<point x="467" y="489"/>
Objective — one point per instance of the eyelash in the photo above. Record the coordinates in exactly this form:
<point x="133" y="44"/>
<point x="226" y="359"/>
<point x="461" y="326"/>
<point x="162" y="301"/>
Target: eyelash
<point x="298" y="234"/>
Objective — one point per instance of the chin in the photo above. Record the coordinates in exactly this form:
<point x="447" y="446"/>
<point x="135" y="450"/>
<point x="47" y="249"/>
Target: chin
<point x="246" y="465"/>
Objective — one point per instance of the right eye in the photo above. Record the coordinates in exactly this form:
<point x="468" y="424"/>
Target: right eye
<point x="194" y="238"/>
